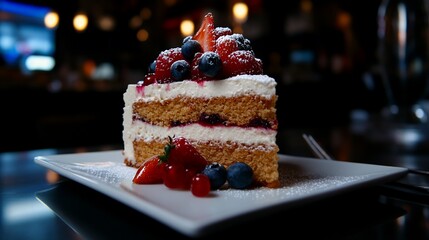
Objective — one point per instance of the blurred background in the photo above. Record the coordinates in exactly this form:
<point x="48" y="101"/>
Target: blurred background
<point x="64" y="65"/>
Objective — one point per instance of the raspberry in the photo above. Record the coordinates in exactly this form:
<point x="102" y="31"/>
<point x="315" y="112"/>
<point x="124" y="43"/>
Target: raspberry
<point x="241" y="62"/>
<point x="163" y="64"/>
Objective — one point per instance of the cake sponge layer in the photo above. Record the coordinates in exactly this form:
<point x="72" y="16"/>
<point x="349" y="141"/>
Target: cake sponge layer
<point x="234" y="111"/>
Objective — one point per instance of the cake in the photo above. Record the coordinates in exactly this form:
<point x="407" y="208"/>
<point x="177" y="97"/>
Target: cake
<point x="213" y="92"/>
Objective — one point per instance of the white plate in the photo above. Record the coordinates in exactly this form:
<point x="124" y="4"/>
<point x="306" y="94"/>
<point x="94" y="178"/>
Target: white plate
<point x="302" y="180"/>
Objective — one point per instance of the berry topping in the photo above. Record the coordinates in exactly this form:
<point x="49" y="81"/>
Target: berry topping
<point x="163" y="64"/>
<point x="210" y="64"/>
<point x="190" y="48"/>
<point x="222" y="31"/>
<point x="242" y="62"/>
<point x="217" y="175"/>
<point x="244" y="43"/>
<point x="212" y="54"/>
<point x="226" y="45"/>
<point x="206" y="34"/>
<point x="196" y="74"/>
<point x="239" y="175"/>
<point x="152" y="66"/>
<point x="180" y="70"/>
<point x="148" y="79"/>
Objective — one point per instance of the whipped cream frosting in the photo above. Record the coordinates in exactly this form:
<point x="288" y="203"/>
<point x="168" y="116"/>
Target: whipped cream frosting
<point x="262" y="85"/>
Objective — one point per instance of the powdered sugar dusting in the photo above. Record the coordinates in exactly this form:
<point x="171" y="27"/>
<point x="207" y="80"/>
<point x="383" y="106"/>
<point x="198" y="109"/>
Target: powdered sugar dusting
<point x="109" y="172"/>
<point x="293" y="184"/>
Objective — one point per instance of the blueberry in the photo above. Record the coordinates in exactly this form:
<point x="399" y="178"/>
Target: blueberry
<point x="210" y="64"/>
<point x="189" y="48"/>
<point x="239" y="175"/>
<point x="187" y="38"/>
<point x="180" y="70"/>
<point x="217" y="175"/>
<point x="152" y="66"/>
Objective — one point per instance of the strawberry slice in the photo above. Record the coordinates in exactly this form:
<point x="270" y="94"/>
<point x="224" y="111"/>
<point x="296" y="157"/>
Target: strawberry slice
<point x="150" y="172"/>
<point x="206" y="34"/>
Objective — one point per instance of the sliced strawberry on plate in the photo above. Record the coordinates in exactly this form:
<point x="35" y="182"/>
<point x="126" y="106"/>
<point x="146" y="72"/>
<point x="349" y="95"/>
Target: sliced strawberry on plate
<point x="150" y="172"/>
<point x="206" y="34"/>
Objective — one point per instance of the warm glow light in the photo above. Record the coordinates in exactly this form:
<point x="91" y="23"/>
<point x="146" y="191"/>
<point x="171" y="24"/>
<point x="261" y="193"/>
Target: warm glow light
<point x="80" y="22"/>
<point x="306" y="6"/>
<point x="187" y="27"/>
<point x="142" y="35"/>
<point x="145" y="13"/>
<point x="344" y="20"/>
<point x="88" y="67"/>
<point x="170" y="3"/>
<point x="106" y="23"/>
<point x="51" y="20"/>
<point x="135" y="22"/>
<point x="52" y="177"/>
<point x="240" y="11"/>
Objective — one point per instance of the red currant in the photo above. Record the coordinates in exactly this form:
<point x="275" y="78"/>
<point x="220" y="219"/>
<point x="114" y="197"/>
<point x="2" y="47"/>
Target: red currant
<point x="200" y="185"/>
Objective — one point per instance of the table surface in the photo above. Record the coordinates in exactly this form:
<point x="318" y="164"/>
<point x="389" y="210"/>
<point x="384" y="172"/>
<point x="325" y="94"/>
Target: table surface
<point x="37" y="203"/>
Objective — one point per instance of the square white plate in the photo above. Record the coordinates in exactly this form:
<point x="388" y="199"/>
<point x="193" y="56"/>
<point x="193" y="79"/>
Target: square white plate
<point x="303" y="180"/>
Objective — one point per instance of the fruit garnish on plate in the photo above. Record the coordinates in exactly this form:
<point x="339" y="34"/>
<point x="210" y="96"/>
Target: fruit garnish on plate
<point x="182" y="167"/>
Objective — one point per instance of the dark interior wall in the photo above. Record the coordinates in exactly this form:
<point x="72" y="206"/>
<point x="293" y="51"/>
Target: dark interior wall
<point x="34" y="119"/>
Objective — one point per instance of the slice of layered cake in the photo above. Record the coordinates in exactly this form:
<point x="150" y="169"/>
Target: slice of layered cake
<point x="213" y="92"/>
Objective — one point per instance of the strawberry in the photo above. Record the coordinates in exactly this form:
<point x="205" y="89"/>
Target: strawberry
<point x="163" y="64"/>
<point x="206" y="34"/>
<point x="175" y="176"/>
<point x="150" y="172"/>
<point x="179" y="151"/>
<point x="242" y="62"/>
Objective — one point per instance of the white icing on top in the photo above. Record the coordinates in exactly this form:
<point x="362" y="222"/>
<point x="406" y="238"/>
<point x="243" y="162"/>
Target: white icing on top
<point x="262" y="85"/>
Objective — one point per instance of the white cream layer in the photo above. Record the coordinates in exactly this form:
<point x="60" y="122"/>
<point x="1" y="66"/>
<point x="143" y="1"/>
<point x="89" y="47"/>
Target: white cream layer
<point x="196" y="132"/>
<point x="262" y="85"/>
